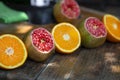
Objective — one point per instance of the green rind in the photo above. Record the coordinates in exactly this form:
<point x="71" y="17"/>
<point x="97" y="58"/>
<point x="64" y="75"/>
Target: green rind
<point x="87" y="40"/>
<point x="58" y="14"/>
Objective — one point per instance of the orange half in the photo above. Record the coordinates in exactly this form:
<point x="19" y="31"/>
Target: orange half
<point x="112" y="25"/>
<point x="13" y="52"/>
<point x="67" y="37"/>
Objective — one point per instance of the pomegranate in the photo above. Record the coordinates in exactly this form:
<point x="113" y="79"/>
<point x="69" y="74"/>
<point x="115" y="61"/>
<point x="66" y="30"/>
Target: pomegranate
<point x="40" y="44"/>
<point x="93" y="32"/>
<point x="66" y="10"/>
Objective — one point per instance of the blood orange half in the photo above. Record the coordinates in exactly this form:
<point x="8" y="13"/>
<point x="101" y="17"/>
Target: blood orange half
<point x="66" y="10"/>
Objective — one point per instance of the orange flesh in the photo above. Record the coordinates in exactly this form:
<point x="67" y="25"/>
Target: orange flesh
<point x="66" y="37"/>
<point x="114" y="26"/>
<point x="16" y="57"/>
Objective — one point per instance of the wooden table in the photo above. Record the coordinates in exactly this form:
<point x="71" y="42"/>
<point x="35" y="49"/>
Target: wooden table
<point x="102" y="63"/>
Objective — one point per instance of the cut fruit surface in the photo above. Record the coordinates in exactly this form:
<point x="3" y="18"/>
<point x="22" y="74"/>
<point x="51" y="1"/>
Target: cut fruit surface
<point x="42" y="40"/>
<point x="40" y="44"/>
<point x="13" y="52"/>
<point x="67" y="37"/>
<point x="93" y="32"/>
<point x="70" y="9"/>
<point x="95" y="27"/>
<point x="112" y="25"/>
<point x="66" y="11"/>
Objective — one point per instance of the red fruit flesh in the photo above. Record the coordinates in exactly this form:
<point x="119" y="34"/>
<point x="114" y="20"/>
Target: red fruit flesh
<point x="95" y="27"/>
<point x="70" y="9"/>
<point x="42" y="40"/>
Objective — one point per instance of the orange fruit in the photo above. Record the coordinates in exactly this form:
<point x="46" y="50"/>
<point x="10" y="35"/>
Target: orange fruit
<point x="112" y="25"/>
<point x="67" y="37"/>
<point x="13" y="52"/>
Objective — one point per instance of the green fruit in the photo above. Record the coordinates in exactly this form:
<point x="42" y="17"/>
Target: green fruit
<point x="66" y="11"/>
<point x="40" y="44"/>
<point x="93" y="32"/>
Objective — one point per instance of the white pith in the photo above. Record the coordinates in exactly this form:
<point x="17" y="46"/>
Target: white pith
<point x="9" y="51"/>
<point x="115" y="26"/>
<point x="95" y="27"/>
<point x="66" y="37"/>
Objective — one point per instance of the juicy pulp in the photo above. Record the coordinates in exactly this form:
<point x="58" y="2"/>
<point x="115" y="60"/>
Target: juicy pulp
<point x="42" y="40"/>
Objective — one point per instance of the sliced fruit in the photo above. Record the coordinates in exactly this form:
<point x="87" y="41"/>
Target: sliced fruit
<point x="112" y="25"/>
<point x="13" y="52"/>
<point x="93" y="32"/>
<point x="66" y="10"/>
<point x="67" y="37"/>
<point x="40" y="44"/>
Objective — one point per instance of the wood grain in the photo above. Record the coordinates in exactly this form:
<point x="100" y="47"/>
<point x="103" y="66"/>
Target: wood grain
<point x="29" y="71"/>
<point x="60" y="67"/>
<point x="102" y="63"/>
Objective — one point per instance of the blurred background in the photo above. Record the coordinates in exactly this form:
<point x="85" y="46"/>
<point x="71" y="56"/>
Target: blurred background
<point x="41" y="14"/>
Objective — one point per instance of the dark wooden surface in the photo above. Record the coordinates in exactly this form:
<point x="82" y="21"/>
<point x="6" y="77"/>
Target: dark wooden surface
<point x="102" y="63"/>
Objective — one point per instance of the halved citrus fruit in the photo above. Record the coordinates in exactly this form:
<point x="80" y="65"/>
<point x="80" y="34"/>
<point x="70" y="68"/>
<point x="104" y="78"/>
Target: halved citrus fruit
<point x="13" y="52"/>
<point x="67" y="37"/>
<point x="112" y="25"/>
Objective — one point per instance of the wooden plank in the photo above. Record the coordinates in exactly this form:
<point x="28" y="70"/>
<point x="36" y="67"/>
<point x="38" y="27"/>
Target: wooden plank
<point x="29" y="71"/>
<point x="21" y="29"/>
<point x="102" y="63"/>
<point x="60" y="67"/>
<point x="18" y="29"/>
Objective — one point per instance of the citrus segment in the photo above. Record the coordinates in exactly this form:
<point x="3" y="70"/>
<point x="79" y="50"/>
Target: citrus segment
<point x="67" y="37"/>
<point x="112" y="25"/>
<point x="12" y="51"/>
